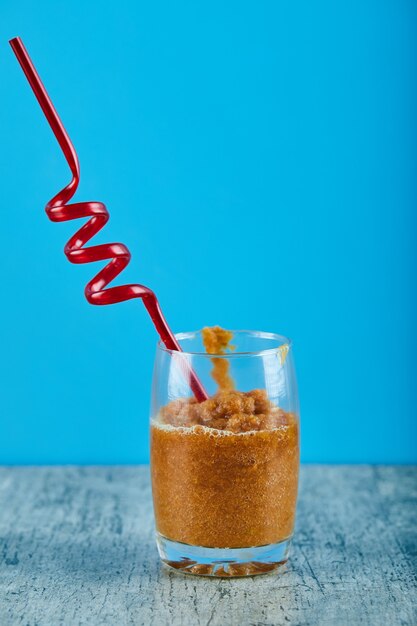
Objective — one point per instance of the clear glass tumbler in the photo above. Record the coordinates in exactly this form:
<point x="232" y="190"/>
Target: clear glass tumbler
<point x="225" y="471"/>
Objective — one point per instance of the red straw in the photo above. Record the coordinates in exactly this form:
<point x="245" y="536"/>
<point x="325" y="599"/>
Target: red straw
<point x="58" y="210"/>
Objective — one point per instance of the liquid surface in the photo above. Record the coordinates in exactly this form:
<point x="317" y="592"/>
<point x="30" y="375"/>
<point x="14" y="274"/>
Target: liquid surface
<point x="233" y="411"/>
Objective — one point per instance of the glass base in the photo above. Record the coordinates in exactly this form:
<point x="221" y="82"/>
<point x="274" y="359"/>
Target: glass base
<point x="222" y="562"/>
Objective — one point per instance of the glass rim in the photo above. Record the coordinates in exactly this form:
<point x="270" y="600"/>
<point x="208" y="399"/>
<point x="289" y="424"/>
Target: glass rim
<point x="284" y="341"/>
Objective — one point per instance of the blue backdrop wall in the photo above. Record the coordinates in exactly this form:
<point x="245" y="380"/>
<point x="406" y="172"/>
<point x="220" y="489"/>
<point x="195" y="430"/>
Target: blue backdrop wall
<point x="259" y="159"/>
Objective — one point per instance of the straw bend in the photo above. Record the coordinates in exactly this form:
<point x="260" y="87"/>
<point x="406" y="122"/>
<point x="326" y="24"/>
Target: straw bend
<point x="118" y="255"/>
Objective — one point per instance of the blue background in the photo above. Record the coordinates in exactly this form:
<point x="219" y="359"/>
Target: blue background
<point x="259" y="159"/>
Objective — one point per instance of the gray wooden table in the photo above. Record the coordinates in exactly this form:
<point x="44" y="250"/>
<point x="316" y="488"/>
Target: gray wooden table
<point x="76" y="547"/>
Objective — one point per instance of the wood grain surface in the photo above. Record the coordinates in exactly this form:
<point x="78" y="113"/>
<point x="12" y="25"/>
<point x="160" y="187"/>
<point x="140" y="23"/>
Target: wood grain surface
<point x="77" y="547"/>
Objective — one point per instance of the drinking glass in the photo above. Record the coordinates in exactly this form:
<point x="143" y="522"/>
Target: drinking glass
<point x="225" y="473"/>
